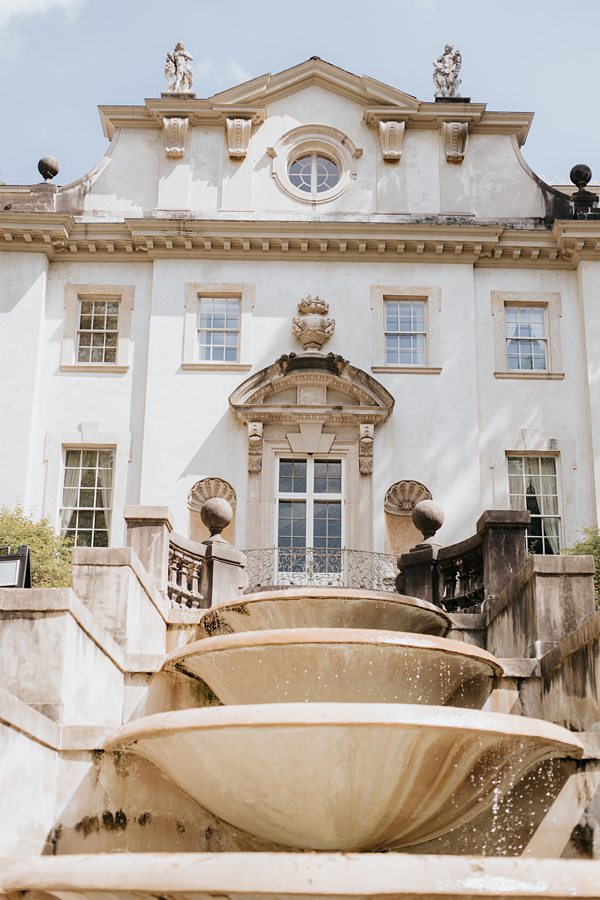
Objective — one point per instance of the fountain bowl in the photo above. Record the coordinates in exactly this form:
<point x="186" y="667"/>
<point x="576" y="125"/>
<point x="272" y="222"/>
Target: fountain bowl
<point x="339" y="665"/>
<point x="344" y="776"/>
<point x="288" y="876"/>
<point x="305" y="607"/>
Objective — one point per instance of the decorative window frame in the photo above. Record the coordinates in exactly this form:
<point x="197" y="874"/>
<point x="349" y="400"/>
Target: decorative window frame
<point x="192" y="293"/>
<point x="532" y="442"/>
<point x="89" y="437"/>
<point x="433" y="309"/>
<point x="74" y="293"/>
<point x="551" y="302"/>
<point x="314" y="139"/>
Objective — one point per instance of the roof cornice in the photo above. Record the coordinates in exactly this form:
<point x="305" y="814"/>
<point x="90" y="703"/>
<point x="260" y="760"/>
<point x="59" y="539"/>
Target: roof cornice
<point x="59" y="236"/>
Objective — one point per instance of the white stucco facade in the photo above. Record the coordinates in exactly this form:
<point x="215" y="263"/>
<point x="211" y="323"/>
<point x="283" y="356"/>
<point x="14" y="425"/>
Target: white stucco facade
<point x="469" y="238"/>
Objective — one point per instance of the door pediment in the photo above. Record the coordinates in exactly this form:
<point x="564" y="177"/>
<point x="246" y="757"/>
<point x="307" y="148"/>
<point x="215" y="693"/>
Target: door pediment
<point x="311" y="387"/>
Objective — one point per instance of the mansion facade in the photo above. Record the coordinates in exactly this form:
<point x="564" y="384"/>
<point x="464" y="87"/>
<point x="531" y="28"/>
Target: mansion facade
<point x="313" y="295"/>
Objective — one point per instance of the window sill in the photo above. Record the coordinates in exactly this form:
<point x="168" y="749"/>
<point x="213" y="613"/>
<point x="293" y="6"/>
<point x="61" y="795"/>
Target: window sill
<point x="408" y="370"/>
<point x="531" y="376"/>
<point x="215" y="367"/>
<point x="114" y="368"/>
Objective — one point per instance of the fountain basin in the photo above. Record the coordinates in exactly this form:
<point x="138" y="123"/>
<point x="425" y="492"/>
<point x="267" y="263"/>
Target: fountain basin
<point x="305" y="607"/>
<point x="257" y="876"/>
<point x="339" y="665"/>
<point x="344" y="776"/>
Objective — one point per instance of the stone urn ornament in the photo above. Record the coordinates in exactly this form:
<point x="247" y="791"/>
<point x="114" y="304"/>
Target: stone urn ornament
<point x="312" y="326"/>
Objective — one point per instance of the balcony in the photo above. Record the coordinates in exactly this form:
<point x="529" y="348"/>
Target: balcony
<point x="319" y="567"/>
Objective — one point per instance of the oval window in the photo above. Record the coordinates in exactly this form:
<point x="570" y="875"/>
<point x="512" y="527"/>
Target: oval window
<point x="314" y="173"/>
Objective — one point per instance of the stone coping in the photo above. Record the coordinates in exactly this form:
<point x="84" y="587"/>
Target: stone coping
<point x="536" y="566"/>
<point x="586" y="633"/>
<point x="30" y="602"/>
<point x="318" y="875"/>
<point x="123" y="557"/>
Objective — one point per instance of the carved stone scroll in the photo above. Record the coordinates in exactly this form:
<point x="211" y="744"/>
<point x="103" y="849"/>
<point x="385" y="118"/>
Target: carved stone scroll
<point x="454" y="136"/>
<point x="175" y="131"/>
<point x="365" y="449"/>
<point x="255" y="446"/>
<point x="311" y="326"/>
<point x="391" y="135"/>
<point x="238" y="137"/>
<point x="402" y="497"/>
<point x="207" y="489"/>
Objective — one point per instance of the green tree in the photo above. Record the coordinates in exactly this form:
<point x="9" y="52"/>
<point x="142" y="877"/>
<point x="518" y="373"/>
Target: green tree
<point x="50" y="553"/>
<point x="589" y="545"/>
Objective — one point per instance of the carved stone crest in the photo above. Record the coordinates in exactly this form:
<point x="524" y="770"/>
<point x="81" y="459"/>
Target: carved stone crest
<point x="402" y="497"/>
<point x="311" y="326"/>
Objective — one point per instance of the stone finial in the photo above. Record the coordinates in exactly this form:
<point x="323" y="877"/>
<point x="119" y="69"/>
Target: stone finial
<point x="48" y="167"/>
<point x="178" y="72"/>
<point x="311" y="326"/>
<point x="216" y="514"/>
<point x="584" y="202"/>
<point x="428" y="517"/>
<point x="446" y="69"/>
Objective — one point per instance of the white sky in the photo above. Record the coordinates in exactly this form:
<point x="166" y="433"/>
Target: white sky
<point x="59" y="59"/>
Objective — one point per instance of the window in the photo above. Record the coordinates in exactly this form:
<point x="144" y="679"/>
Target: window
<point x="405" y="332"/>
<point x="217" y="326"/>
<point x="97" y="328"/>
<point x="218" y="329"/>
<point x="309" y="521"/>
<point x="532" y="485"/>
<point x="406" y="328"/>
<point x="98" y="331"/>
<point x="314" y="163"/>
<point x="87" y="496"/>
<point x="314" y="173"/>
<point x="526" y="337"/>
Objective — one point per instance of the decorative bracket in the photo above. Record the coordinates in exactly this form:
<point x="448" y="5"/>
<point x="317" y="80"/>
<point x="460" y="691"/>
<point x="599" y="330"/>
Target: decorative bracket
<point x="175" y="132"/>
<point x="255" y="446"/>
<point x="391" y="136"/>
<point x="365" y="449"/>
<point x="454" y="136"/>
<point x="238" y="137"/>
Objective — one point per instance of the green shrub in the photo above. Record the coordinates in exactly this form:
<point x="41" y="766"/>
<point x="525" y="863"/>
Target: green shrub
<point x="50" y="554"/>
<point x="589" y="545"/>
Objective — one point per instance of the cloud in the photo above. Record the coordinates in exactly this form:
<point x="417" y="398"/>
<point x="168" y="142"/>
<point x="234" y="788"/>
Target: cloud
<point x="12" y="10"/>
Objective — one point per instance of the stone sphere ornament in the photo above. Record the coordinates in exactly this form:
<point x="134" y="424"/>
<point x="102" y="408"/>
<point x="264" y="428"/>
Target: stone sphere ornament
<point x="580" y="175"/>
<point x="428" y="517"/>
<point x="216" y="515"/>
<point x="48" y="167"/>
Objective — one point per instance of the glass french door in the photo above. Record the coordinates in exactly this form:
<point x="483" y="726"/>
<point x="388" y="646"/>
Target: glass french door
<point x="309" y="521"/>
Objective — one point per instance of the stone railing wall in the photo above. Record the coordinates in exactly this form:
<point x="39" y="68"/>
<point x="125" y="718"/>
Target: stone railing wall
<point x="464" y="575"/>
<point x="189" y="574"/>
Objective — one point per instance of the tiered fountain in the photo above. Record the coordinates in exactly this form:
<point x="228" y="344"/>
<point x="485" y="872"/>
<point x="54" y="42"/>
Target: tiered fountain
<point x="348" y="723"/>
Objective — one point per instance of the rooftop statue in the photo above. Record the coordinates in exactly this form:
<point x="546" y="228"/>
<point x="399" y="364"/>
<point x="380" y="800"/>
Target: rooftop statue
<point x="446" y="71"/>
<point x="178" y="72"/>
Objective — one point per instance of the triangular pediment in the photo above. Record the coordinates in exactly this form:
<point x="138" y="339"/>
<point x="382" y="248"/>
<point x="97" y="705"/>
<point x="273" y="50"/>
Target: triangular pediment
<point x="361" y="89"/>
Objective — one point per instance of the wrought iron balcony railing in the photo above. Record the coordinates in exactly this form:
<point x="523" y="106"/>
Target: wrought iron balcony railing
<point x="320" y="567"/>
